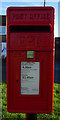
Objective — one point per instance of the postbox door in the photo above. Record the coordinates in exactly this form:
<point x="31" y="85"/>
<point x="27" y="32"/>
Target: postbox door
<point x="40" y="101"/>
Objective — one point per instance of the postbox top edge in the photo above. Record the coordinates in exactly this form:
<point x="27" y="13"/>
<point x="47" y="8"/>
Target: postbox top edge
<point x="37" y="8"/>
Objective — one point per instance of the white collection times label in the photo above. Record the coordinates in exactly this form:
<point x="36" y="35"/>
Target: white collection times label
<point x="30" y="78"/>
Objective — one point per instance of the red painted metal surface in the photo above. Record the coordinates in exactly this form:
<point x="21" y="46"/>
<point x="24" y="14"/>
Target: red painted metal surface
<point x="30" y="29"/>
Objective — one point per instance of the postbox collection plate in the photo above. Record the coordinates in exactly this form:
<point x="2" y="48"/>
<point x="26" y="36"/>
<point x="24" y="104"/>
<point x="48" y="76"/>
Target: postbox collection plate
<point x="30" y="78"/>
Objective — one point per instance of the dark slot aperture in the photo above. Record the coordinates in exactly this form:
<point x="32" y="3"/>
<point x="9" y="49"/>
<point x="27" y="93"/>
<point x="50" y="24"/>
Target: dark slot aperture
<point x="30" y="28"/>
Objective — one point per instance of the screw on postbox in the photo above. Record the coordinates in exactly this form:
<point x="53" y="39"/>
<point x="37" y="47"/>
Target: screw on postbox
<point x="30" y="59"/>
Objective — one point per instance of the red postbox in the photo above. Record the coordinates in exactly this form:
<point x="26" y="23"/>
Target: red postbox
<point x="30" y="59"/>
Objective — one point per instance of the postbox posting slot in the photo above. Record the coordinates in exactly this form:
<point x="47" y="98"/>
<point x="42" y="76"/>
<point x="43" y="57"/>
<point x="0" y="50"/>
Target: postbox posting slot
<point x="26" y="28"/>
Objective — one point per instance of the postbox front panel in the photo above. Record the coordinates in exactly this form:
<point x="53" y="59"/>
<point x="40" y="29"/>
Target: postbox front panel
<point x="36" y="95"/>
<point x="30" y="59"/>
